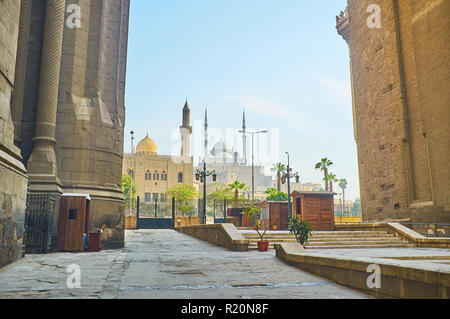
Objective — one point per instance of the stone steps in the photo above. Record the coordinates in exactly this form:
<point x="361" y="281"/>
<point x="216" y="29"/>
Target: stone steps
<point x="333" y="240"/>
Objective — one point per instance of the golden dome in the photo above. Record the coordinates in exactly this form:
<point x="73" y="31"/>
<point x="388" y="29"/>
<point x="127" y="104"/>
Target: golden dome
<point x="147" y="145"/>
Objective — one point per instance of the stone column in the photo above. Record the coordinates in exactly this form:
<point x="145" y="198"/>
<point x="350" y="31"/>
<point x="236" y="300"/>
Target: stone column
<point x="21" y="61"/>
<point x="42" y="163"/>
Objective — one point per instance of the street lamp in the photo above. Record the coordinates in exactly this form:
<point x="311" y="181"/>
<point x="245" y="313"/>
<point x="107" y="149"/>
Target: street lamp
<point x="253" y="157"/>
<point x="201" y="177"/>
<point x="132" y="173"/>
<point x="288" y="175"/>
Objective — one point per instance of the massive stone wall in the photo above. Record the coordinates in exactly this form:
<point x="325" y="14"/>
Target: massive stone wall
<point x="13" y="179"/>
<point x="400" y="75"/>
<point x="90" y="112"/>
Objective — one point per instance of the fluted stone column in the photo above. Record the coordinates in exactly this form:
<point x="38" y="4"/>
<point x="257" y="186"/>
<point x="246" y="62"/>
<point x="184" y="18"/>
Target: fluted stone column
<point x="21" y="61"/>
<point x="42" y="163"/>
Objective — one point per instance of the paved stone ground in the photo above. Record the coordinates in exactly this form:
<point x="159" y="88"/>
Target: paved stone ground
<point x="166" y="264"/>
<point x="435" y="259"/>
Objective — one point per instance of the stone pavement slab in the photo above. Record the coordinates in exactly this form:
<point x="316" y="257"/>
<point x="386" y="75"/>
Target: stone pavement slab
<point x="166" y="264"/>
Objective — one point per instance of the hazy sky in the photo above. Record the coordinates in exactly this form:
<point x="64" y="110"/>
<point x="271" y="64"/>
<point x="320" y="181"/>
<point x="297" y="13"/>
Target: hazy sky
<point x="280" y="60"/>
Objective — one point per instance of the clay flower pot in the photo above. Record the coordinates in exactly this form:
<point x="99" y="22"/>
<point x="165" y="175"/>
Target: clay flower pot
<point x="263" y="245"/>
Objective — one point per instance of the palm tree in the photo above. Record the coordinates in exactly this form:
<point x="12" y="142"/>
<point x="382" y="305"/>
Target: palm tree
<point x="332" y="178"/>
<point x="323" y="165"/>
<point x="279" y="168"/>
<point x="343" y="185"/>
<point x="236" y="186"/>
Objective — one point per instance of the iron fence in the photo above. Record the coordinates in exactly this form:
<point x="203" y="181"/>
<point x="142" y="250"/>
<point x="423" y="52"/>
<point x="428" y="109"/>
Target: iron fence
<point x="39" y="218"/>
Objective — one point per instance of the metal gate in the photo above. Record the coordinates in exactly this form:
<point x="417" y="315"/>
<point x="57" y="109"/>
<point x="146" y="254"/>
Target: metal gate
<point x="220" y="211"/>
<point x="155" y="215"/>
<point x="39" y="217"/>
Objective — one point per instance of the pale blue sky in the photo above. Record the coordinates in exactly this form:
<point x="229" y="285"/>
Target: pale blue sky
<point x="280" y="60"/>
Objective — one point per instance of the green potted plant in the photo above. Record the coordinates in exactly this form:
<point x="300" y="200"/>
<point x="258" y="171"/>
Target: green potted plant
<point x="301" y="229"/>
<point x="251" y="211"/>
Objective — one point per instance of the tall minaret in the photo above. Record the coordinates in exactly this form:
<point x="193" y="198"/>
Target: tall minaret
<point x="206" y="135"/>
<point x="244" y="140"/>
<point x="186" y="131"/>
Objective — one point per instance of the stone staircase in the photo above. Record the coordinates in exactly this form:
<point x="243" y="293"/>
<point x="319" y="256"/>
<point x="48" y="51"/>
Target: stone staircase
<point x="333" y="240"/>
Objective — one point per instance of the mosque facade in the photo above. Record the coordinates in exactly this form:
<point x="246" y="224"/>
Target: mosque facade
<point x="155" y="174"/>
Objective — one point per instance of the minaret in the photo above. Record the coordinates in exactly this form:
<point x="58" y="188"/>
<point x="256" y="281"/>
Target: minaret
<point x="186" y="131"/>
<point x="206" y="135"/>
<point x="244" y="140"/>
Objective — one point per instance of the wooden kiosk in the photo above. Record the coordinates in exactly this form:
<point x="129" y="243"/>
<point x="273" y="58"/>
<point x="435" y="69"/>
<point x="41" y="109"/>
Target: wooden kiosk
<point x="276" y="212"/>
<point x="73" y="221"/>
<point x="317" y="208"/>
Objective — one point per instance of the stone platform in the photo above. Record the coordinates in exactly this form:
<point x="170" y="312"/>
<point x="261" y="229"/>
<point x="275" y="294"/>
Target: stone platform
<point x="405" y="272"/>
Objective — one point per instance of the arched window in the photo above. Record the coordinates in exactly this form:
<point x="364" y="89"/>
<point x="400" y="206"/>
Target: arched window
<point x="164" y="176"/>
<point x="131" y="173"/>
<point x="148" y="176"/>
<point x="180" y="177"/>
<point x="156" y="176"/>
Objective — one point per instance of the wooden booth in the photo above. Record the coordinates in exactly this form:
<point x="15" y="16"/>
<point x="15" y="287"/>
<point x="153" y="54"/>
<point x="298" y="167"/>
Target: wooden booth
<point x="276" y="213"/>
<point x="73" y="222"/>
<point x="317" y="208"/>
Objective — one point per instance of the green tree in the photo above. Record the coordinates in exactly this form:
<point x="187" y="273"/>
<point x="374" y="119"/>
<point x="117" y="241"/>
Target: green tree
<point x="236" y="186"/>
<point x="332" y="179"/>
<point x="343" y="185"/>
<point x="323" y="165"/>
<point x="356" y="209"/>
<point x="279" y="168"/>
<point x="126" y="182"/>
<point x="184" y="194"/>
<point x="274" y="195"/>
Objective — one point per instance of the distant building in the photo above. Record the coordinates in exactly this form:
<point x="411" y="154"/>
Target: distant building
<point x="155" y="174"/>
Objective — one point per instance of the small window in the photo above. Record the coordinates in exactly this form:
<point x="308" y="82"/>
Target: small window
<point x="73" y="213"/>
<point x="147" y="197"/>
<point x="180" y="177"/>
<point x="148" y="176"/>
<point x="156" y="176"/>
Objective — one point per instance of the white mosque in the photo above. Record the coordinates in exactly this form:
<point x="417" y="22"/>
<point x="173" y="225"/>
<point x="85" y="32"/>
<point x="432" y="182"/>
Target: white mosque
<point x="231" y="166"/>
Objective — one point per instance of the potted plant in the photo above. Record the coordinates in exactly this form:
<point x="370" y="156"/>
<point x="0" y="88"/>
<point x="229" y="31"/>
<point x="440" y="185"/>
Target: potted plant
<point x="301" y="229"/>
<point x="263" y="245"/>
<point x="250" y="210"/>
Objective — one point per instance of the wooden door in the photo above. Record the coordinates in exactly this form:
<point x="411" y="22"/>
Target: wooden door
<point x="72" y="223"/>
<point x="326" y="218"/>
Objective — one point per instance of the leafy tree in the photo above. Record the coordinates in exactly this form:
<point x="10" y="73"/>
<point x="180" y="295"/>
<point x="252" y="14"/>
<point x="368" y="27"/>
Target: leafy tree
<point x="274" y="195"/>
<point x="222" y="192"/>
<point x="323" y="165"/>
<point x="279" y="168"/>
<point x="126" y="182"/>
<point x="301" y="229"/>
<point x="184" y="194"/>
<point x="356" y="209"/>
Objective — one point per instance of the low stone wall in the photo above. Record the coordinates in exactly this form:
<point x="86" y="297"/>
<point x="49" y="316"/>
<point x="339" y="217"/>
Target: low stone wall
<point x="400" y="231"/>
<point x="347" y="219"/>
<point x="130" y="222"/>
<point x="397" y="281"/>
<point x="224" y="235"/>
<point x="186" y="221"/>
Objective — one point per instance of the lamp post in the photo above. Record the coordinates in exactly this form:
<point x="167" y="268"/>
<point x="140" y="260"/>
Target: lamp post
<point x="132" y="173"/>
<point x="253" y="157"/>
<point x="201" y="176"/>
<point x="289" y="175"/>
